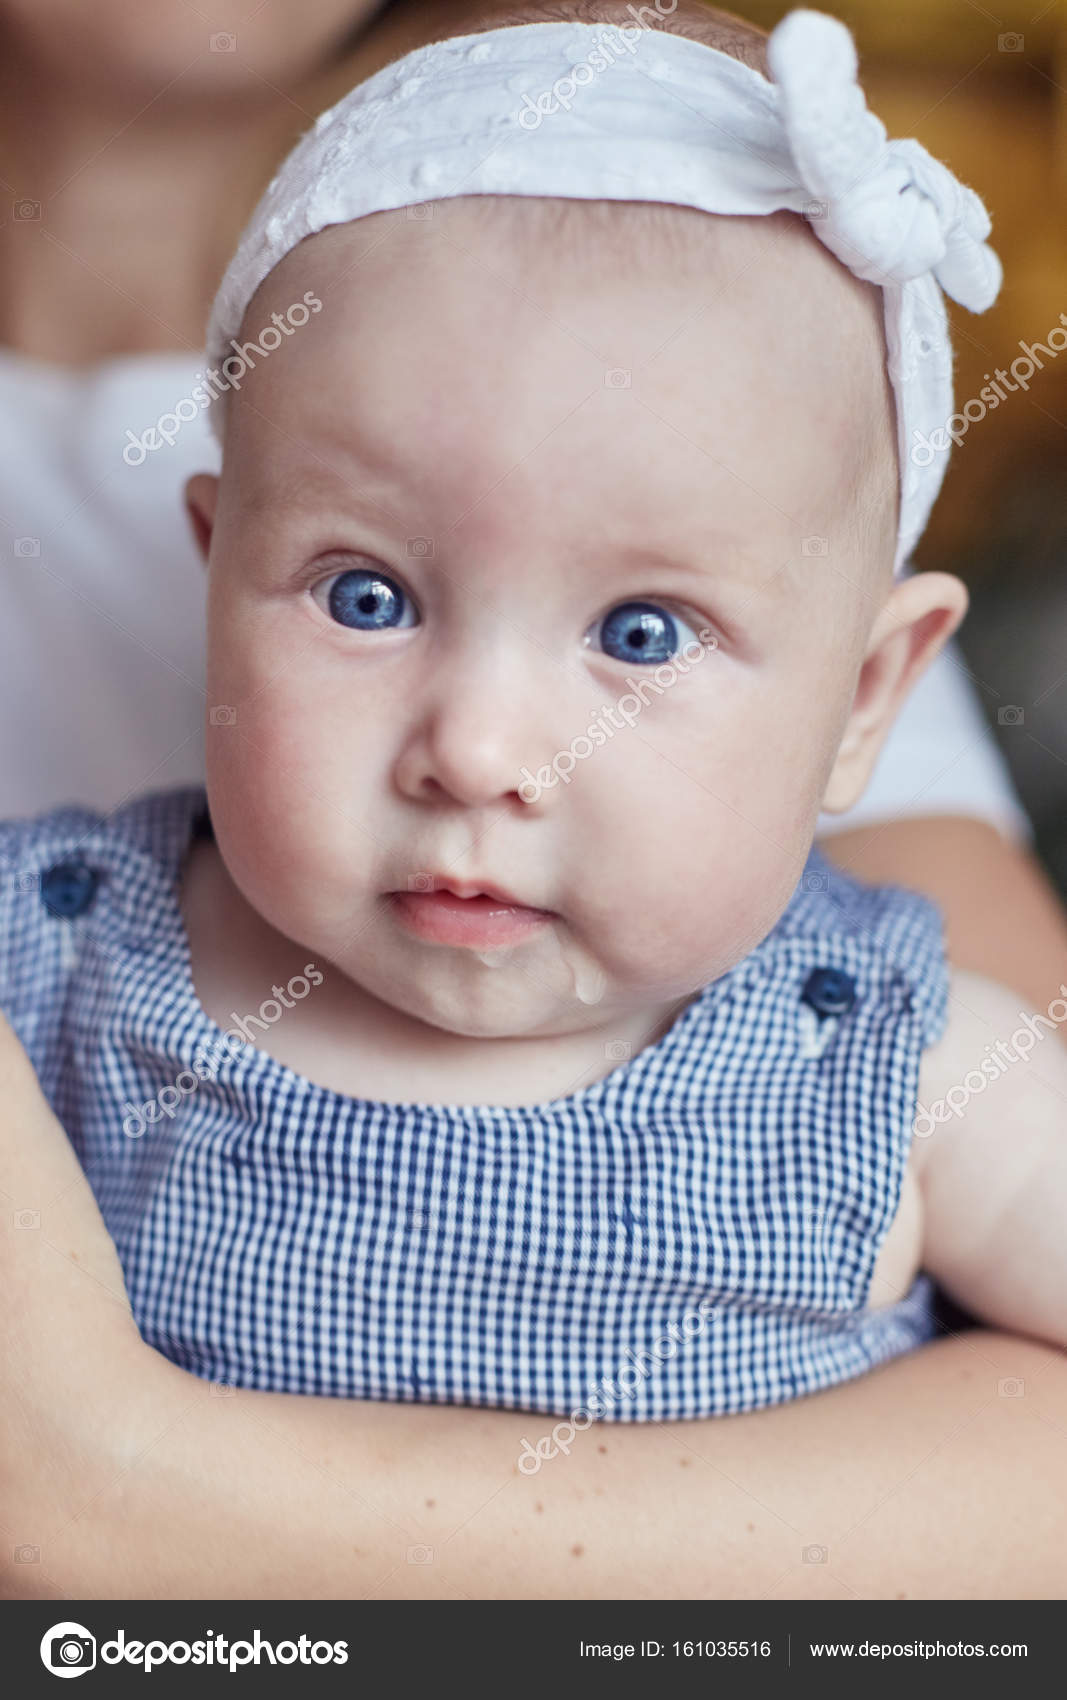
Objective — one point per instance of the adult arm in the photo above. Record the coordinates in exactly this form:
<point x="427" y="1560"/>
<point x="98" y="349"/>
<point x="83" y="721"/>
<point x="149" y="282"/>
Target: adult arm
<point x="903" y="1477"/>
<point x="137" y="1480"/>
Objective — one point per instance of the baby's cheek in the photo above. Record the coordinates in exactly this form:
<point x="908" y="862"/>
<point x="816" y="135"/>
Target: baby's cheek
<point x="281" y="699"/>
<point x="266" y="800"/>
<point x="735" y="751"/>
<point x="714" y="854"/>
<point x="701" y="850"/>
<point x="251" y="809"/>
<point x="689" y="895"/>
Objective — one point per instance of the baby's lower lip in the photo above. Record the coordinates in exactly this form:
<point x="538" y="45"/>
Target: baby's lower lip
<point x="480" y="923"/>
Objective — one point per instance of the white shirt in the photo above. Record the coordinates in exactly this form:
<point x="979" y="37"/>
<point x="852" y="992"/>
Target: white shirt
<point x="102" y="628"/>
<point x="102" y="635"/>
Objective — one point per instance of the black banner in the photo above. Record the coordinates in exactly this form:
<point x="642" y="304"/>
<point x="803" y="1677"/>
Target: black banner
<point x="231" y="1646"/>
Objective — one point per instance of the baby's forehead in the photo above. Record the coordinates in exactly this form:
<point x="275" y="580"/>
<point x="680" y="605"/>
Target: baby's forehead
<point x="498" y="311"/>
<point x="568" y="254"/>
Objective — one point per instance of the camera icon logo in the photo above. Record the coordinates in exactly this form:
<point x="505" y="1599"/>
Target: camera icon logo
<point x="815" y="882"/>
<point x="27" y="1555"/>
<point x="224" y="43"/>
<point x="420" y="547"/>
<point x="617" y="378"/>
<point x="223" y="715"/>
<point x="27" y="882"/>
<point x="1010" y="1387"/>
<point x="420" y="882"/>
<point x="617" y="1050"/>
<point x="815" y="546"/>
<point x="815" y="209"/>
<point x="68" y="1649"/>
<point x="815" y="1555"/>
<point x="1011" y="42"/>
<point x="422" y="209"/>
<point x="26" y="209"/>
<point x="1010" y="715"/>
<point x="420" y="1555"/>
<point x="27" y="1218"/>
<point x="27" y="547"/>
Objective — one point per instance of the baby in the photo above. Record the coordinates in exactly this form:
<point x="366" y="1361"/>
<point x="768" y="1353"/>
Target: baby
<point x="496" y="1034"/>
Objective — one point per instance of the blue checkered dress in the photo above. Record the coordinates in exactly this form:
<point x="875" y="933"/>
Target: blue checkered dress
<point x="694" y="1234"/>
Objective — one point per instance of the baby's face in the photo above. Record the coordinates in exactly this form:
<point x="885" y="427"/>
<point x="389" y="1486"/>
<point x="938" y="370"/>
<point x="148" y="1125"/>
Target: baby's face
<point x="511" y="595"/>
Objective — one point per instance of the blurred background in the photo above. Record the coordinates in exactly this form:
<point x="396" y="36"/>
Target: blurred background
<point x="986" y="91"/>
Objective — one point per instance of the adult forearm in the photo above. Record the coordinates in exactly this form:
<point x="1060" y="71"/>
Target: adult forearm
<point x="902" y="1476"/>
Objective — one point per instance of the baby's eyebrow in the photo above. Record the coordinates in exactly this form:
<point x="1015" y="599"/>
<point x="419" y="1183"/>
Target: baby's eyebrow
<point x="369" y="488"/>
<point x="720" y="558"/>
<point x="321" y="457"/>
<point x="717" y="561"/>
<point x="359" y="483"/>
<point x="320" y="491"/>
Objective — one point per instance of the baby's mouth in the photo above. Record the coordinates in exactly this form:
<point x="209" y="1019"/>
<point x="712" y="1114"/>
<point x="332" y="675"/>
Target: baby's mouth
<point x="455" y="914"/>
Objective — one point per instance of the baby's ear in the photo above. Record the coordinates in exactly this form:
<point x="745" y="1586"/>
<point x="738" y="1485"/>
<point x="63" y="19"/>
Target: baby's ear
<point x="201" y="495"/>
<point x="918" y="618"/>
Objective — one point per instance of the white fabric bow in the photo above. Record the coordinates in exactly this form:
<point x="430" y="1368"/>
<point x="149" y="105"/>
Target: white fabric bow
<point x="888" y="210"/>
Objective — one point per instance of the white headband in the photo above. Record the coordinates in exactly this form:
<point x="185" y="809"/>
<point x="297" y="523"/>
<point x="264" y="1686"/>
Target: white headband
<point x="619" y="113"/>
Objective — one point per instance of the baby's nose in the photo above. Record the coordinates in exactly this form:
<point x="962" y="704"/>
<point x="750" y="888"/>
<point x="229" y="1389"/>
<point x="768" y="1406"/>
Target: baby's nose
<point x="472" y="740"/>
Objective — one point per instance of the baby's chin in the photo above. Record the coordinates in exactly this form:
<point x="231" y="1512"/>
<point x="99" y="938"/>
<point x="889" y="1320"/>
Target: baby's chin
<point x="541" y="989"/>
<point x="551" y="987"/>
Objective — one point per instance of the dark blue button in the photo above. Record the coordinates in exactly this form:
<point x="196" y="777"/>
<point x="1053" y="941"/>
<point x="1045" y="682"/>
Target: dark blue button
<point x="830" y="991"/>
<point x="68" y="889"/>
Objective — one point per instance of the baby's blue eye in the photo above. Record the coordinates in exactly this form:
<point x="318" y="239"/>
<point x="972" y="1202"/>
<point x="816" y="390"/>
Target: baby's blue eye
<point x="367" y="601"/>
<point x="639" y="632"/>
